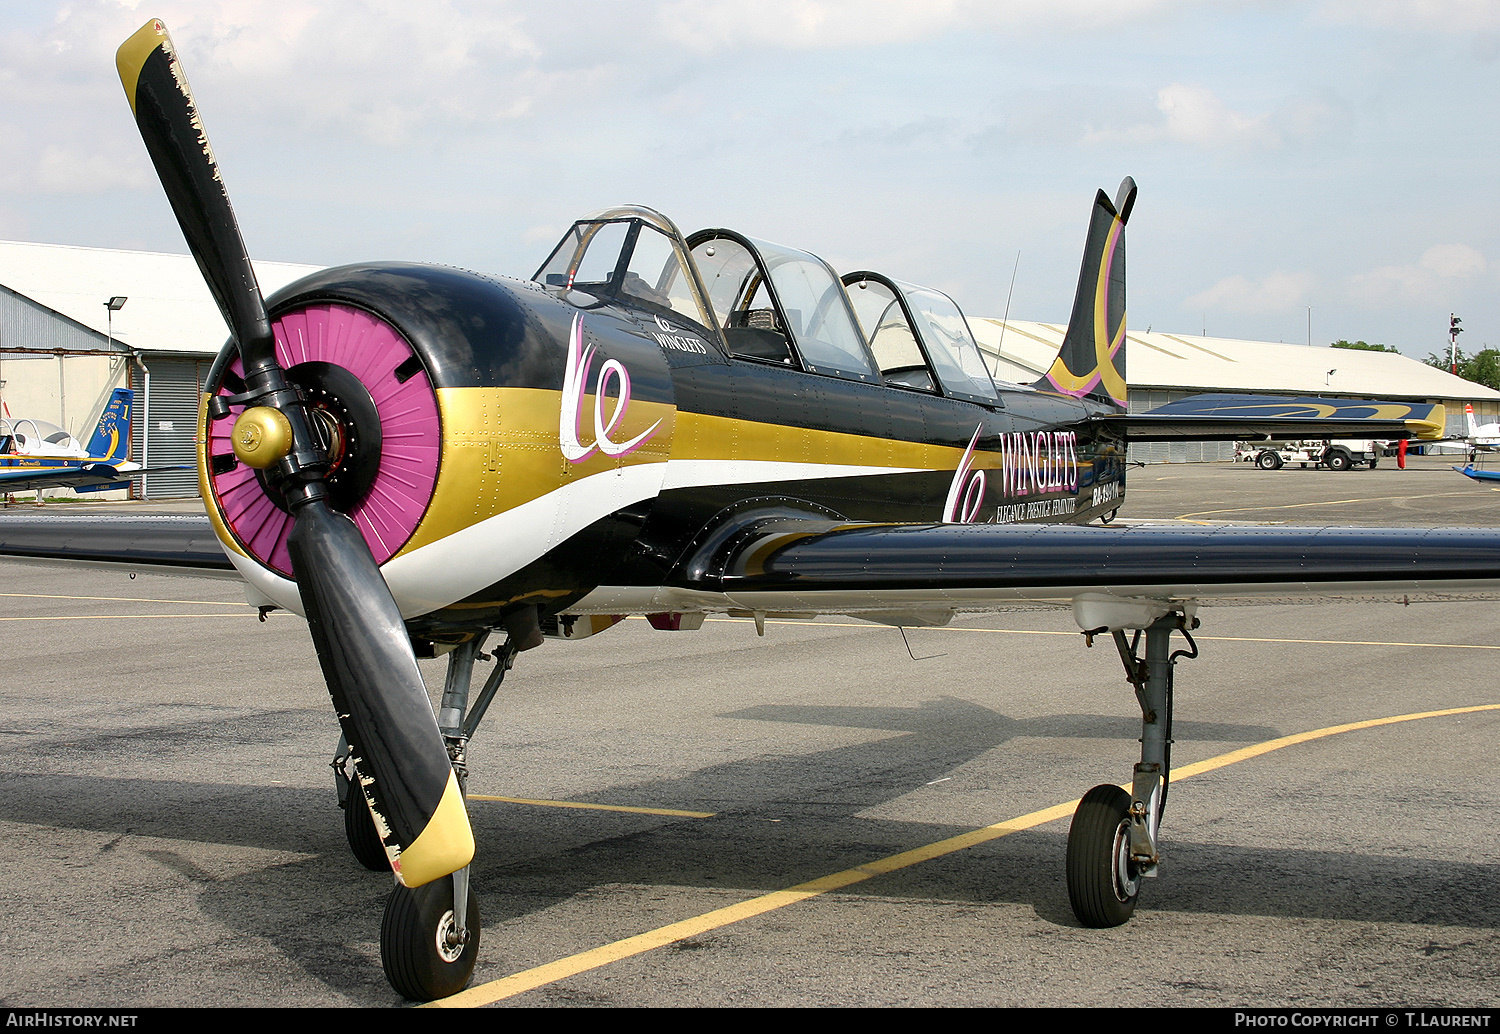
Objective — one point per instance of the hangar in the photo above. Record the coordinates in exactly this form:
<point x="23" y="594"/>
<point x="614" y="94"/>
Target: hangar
<point x="63" y="348"/>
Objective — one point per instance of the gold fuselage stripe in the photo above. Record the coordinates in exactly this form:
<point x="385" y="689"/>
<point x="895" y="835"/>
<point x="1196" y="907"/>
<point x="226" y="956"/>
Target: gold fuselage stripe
<point x="501" y="448"/>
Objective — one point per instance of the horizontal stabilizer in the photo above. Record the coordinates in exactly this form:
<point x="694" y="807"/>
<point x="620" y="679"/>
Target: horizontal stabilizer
<point x="1471" y="471"/>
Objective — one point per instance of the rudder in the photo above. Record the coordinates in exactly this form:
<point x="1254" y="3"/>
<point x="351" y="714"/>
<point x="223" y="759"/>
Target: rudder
<point x="1091" y="362"/>
<point x="111" y="438"/>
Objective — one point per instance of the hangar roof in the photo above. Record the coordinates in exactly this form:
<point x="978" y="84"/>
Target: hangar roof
<point x="169" y="307"/>
<point x="1157" y="360"/>
<point x="170" y="310"/>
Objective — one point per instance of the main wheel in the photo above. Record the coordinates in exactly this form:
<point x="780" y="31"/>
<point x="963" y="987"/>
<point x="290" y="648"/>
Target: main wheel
<point x="359" y="830"/>
<point x="1268" y="461"/>
<point x="417" y="947"/>
<point x="1102" y="881"/>
<point x="1338" y="459"/>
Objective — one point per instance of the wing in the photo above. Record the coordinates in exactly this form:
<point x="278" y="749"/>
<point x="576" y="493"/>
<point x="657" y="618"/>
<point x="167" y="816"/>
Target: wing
<point x="88" y="476"/>
<point x="1215" y="417"/>
<point x="1471" y="471"/>
<point x="924" y="574"/>
<point x="173" y="544"/>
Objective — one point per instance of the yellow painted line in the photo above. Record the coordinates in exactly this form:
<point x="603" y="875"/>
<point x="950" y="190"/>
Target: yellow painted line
<point x="673" y="812"/>
<point x="1329" y="502"/>
<point x="1282" y="506"/>
<point x="1345" y="642"/>
<point x="127" y="617"/>
<point x="1256" y="750"/>
<point x="595" y="958"/>
<point x="118" y="599"/>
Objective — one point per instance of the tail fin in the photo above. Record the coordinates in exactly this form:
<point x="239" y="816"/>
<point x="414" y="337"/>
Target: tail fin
<point x="112" y="437"/>
<point x="1091" y="363"/>
<point x="1469" y="416"/>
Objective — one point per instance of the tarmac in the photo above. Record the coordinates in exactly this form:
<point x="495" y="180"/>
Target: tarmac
<point x="828" y="815"/>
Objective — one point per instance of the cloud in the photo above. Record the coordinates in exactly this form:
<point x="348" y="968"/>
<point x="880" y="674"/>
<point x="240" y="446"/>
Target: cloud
<point x="1453" y="17"/>
<point x="380" y="69"/>
<point x="707" y="25"/>
<point x="1435" y="277"/>
<point x="1277" y="293"/>
<point x="1195" y="116"/>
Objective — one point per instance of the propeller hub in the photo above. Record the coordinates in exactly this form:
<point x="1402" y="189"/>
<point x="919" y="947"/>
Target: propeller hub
<point x="261" y="436"/>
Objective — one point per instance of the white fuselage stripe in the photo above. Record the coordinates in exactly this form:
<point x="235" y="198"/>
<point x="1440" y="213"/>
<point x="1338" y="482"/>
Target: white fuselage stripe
<point x="692" y="473"/>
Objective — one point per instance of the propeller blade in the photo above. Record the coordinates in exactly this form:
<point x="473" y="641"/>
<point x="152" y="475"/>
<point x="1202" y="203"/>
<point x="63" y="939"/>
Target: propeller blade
<point x="378" y="692"/>
<point x="355" y="623"/>
<point x="170" y="127"/>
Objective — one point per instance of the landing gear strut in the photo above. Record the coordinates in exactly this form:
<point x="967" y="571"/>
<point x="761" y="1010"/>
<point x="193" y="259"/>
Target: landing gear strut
<point x="429" y="936"/>
<point x="1113" y="840"/>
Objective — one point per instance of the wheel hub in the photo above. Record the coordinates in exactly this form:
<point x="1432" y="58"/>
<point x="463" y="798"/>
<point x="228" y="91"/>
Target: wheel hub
<point x="450" y="943"/>
<point x="1127" y="881"/>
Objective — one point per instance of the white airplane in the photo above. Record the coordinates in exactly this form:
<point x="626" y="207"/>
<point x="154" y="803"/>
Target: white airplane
<point x="1478" y="437"/>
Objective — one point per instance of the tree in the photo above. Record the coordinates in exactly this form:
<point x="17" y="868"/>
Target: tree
<point x="1365" y="346"/>
<point x="1483" y="368"/>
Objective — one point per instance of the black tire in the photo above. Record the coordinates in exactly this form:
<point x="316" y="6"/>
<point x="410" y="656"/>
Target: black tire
<point x="1268" y="461"/>
<point x="1102" y="884"/>
<point x="1374" y="462"/>
<point x="359" y="830"/>
<point x="1338" y="459"/>
<point x="409" y="952"/>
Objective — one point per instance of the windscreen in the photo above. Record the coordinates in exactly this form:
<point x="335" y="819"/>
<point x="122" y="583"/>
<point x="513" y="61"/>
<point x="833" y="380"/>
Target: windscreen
<point x="950" y="344"/>
<point x="817" y="313"/>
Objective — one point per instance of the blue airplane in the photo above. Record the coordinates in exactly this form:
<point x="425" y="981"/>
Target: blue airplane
<point x="39" y="454"/>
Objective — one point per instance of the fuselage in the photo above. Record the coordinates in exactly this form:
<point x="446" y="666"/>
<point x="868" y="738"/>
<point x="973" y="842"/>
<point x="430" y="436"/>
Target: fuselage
<point x="576" y="441"/>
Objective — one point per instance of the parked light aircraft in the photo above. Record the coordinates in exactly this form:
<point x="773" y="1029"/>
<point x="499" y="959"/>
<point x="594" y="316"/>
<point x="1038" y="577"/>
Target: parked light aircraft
<point x="1478" y="437"/>
<point x="415" y="457"/>
<point x="37" y="454"/>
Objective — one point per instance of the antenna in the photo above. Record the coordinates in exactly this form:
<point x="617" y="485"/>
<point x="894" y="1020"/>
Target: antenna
<point x="1006" y="318"/>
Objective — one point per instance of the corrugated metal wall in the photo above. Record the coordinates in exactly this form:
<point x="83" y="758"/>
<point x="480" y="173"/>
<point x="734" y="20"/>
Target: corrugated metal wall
<point x="172" y="424"/>
<point x="1141" y="400"/>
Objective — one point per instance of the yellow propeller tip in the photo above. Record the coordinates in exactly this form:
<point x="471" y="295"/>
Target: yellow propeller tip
<point x="132" y="55"/>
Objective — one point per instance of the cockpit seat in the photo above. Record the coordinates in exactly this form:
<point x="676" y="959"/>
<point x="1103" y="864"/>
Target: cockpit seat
<point x="754" y="334"/>
<point x="758" y="343"/>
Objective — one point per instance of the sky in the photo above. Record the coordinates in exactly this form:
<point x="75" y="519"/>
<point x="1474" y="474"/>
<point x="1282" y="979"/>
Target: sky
<point x="1331" y="161"/>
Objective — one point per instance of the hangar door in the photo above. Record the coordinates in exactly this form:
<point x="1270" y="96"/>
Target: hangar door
<point x="170" y="419"/>
<point x="1142" y="400"/>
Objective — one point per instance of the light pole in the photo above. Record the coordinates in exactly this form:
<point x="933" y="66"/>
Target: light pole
<point x="114" y="305"/>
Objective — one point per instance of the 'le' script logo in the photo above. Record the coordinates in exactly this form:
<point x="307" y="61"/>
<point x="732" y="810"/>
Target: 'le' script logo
<point x="570" y="414"/>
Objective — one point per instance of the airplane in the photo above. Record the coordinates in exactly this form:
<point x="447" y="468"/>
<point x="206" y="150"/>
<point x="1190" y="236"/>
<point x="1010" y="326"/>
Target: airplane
<point x="415" y="458"/>
<point x="35" y="453"/>
<point x="1476" y="436"/>
<point x="1479" y="438"/>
